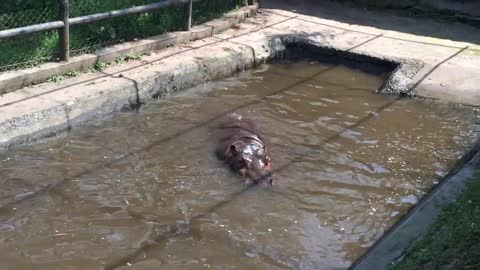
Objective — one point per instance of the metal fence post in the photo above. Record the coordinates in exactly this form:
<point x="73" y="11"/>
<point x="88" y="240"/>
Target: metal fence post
<point x="188" y="16"/>
<point x="64" y="32"/>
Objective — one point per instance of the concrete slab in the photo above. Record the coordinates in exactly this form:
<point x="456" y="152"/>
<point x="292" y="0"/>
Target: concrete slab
<point x="375" y="22"/>
<point x="456" y="80"/>
<point x="252" y="24"/>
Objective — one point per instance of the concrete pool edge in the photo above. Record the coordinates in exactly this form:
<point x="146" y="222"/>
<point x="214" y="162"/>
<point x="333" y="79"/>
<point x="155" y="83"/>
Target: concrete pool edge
<point x="411" y="227"/>
<point x="402" y="73"/>
<point x="49" y="109"/>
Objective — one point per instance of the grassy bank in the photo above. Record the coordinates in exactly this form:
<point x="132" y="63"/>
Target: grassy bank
<point x="453" y="241"/>
<point x="30" y="50"/>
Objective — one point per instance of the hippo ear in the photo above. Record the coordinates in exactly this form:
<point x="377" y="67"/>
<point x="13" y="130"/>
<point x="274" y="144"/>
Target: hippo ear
<point x="234" y="149"/>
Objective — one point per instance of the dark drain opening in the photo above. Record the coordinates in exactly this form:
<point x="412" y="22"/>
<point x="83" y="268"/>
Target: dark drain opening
<point x="299" y="51"/>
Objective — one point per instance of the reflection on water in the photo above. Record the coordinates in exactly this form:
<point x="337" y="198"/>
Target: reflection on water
<point x="346" y="171"/>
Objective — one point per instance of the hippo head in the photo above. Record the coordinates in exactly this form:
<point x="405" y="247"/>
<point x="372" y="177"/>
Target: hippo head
<point x="250" y="160"/>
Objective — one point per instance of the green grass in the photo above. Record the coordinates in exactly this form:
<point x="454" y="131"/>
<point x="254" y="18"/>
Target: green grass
<point x="30" y="50"/>
<point x="453" y="241"/>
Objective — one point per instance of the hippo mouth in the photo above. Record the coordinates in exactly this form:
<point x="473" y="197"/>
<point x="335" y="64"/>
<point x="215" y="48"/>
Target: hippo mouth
<point x="267" y="178"/>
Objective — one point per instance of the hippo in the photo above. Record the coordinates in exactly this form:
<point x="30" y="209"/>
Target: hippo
<point x="242" y="148"/>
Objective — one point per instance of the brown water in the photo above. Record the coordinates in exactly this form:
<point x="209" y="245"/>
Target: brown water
<point x="144" y="190"/>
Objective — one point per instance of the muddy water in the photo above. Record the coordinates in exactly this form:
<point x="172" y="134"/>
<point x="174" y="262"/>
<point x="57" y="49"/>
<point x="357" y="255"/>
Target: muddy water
<point x="144" y="190"/>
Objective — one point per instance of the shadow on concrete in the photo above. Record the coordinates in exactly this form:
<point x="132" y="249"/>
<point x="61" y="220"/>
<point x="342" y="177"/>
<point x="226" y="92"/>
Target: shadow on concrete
<point x="382" y="20"/>
<point x="68" y="120"/>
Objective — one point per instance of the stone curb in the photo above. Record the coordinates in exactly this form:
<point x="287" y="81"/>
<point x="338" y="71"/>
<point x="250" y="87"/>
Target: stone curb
<point x="14" y="80"/>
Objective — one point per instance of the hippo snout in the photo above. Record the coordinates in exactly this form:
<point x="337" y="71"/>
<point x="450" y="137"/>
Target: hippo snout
<point x="260" y="173"/>
<point x="267" y="178"/>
